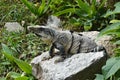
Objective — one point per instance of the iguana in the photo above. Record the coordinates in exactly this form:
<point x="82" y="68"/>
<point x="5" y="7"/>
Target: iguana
<point x="67" y="42"/>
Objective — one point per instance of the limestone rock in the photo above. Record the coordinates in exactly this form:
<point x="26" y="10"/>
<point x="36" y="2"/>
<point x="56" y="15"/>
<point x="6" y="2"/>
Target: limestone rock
<point x="104" y="41"/>
<point x="81" y="66"/>
<point x="13" y="26"/>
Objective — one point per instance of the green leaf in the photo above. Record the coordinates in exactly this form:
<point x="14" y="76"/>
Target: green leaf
<point x="7" y="53"/>
<point x="111" y="67"/>
<point x="117" y="51"/>
<point x="72" y="10"/>
<point x="13" y="74"/>
<point x="31" y="7"/>
<point x="22" y="78"/>
<point x="114" y="21"/>
<point x="48" y="5"/>
<point x="87" y="27"/>
<point x="94" y="2"/>
<point x="109" y="29"/>
<point x="117" y="42"/>
<point x="24" y="66"/>
<point x="5" y="63"/>
<point x="41" y="8"/>
<point x="2" y="78"/>
<point x="6" y="49"/>
<point x="114" y="32"/>
<point x="99" y="77"/>
<point x="93" y="8"/>
<point x="84" y="6"/>
<point x="102" y="4"/>
<point x="108" y="65"/>
<point x="115" y="11"/>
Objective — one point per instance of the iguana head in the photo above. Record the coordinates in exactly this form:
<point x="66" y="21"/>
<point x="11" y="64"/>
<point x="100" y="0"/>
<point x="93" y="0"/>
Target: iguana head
<point x="45" y="33"/>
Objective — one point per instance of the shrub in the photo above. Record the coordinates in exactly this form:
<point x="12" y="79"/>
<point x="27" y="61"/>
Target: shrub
<point x="111" y="71"/>
<point x="87" y="15"/>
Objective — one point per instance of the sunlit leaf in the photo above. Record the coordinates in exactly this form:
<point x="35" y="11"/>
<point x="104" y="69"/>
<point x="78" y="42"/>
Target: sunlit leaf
<point x="109" y="29"/>
<point x="5" y="63"/>
<point x="48" y="5"/>
<point x="6" y="49"/>
<point x="84" y="6"/>
<point x="115" y="11"/>
<point x="22" y="78"/>
<point x="24" y="66"/>
<point x="31" y="7"/>
<point x="114" y="21"/>
<point x="13" y="74"/>
<point x="64" y="11"/>
<point x="111" y="67"/>
<point x="42" y="7"/>
<point x="117" y="42"/>
<point x="99" y="77"/>
<point x="7" y="52"/>
<point x="2" y="78"/>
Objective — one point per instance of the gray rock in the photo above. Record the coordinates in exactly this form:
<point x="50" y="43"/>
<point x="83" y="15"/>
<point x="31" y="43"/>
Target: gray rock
<point x="13" y="26"/>
<point x="104" y="41"/>
<point x="81" y="66"/>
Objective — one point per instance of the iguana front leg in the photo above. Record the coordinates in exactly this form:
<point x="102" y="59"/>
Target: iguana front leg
<point x="62" y="53"/>
<point x="51" y="51"/>
<point x="61" y="48"/>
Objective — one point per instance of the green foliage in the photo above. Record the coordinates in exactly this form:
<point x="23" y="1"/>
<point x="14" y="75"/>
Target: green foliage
<point x="13" y="10"/>
<point x="24" y="66"/>
<point x="115" y="11"/>
<point x="22" y="78"/>
<point x="36" y="9"/>
<point x="2" y="79"/>
<point x="13" y="75"/>
<point x="87" y="15"/>
<point x="113" y="30"/>
<point x="79" y="14"/>
<point x="21" y="46"/>
<point x="99" y="77"/>
<point x="72" y="10"/>
<point x="111" y="67"/>
<point x="110" y="70"/>
<point x="60" y="7"/>
<point x="91" y="14"/>
<point x="7" y="52"/>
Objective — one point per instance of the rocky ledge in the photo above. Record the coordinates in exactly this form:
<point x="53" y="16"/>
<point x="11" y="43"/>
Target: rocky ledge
<point x="81" y="66"/>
